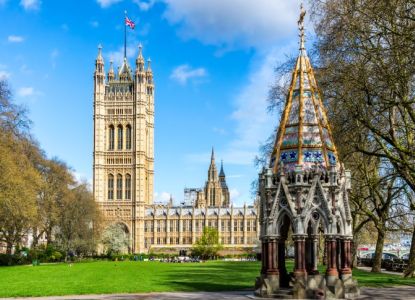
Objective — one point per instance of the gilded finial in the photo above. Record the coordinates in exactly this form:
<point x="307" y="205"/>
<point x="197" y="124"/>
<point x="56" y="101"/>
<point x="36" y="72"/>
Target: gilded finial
<point x="301" y="26"/>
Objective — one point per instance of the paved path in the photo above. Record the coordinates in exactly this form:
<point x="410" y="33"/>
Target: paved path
<point x="395" y="293"/>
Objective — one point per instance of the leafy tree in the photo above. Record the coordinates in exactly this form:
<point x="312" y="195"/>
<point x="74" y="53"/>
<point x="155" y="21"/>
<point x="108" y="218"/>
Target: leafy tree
<point x="18" y="190"/>
<point x="367" y="72"/>
<point x="208" y="245"/>
<point x="55" y="183"/>
<point x="115" y="239"/>
<point x="78" y="227"/>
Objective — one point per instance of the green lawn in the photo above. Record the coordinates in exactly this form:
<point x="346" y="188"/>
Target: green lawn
<point x="134" y="277"/>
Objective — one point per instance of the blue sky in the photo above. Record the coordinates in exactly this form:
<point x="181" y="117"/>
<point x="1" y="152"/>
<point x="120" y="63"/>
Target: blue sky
<point x="212" y="62"/>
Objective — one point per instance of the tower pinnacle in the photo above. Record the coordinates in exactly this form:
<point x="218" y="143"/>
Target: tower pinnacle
<point x="111" y="75"/>
<point x="139" y="62"/>
<point x="221" y="172"/>
<point x="301" y="27"/>
<point x="149" y="64"/>
<point x="99" y="57"/>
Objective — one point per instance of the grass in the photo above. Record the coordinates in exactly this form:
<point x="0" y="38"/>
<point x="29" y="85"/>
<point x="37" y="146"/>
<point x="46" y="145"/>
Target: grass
<point x="103" y="277"/>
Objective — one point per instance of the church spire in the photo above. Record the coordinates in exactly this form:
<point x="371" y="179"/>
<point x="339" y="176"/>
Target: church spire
<point x="304" y="137"/>
<point x="212" y="172"/>
<point x="221" y="173"/>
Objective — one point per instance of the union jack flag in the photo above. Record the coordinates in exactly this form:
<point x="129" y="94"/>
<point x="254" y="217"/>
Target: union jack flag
<point x="129" y="23"/>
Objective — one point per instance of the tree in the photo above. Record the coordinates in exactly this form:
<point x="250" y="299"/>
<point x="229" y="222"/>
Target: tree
<point x="78" y="227"/>
<point x="13" y="118"/>
<point x="55" y="183"/>
<point x="367" y="71"/>
<point x="18" y="189"/>
<point x="115" y="239"/>
<point x="208" y="245"/>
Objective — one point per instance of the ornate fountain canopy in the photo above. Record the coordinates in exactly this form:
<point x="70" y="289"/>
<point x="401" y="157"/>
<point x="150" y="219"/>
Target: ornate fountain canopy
<point x="304" y="137"/>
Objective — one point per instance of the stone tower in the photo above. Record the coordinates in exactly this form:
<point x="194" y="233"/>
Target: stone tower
<point x="216" y="192"/>
<point x="123" y="170"/>
<point x="305" y="190"/>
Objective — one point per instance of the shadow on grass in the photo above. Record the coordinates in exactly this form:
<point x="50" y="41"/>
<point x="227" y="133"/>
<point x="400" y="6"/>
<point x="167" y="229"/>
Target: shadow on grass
<point x="215" y="277"/>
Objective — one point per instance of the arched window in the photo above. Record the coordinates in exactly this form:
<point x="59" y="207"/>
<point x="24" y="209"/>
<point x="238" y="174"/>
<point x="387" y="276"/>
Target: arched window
<point x="110" y="187"/>
<point x="120" y="137"/>
<point x="111" y="137"/>
<point x="128" y="187"/>
<point x="119" y="187"/>
<point x="128" y="137"/>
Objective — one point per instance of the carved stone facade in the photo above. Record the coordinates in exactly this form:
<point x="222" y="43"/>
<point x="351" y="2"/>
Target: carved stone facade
<point x="305" y="189"/>
<point x="123" y="167"/>
<point x="124" y="171"/>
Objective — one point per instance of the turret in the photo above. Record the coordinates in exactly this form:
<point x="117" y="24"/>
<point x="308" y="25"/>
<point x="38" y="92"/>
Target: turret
<point x="111" y="74"/>
<point x="99" y="74"/>
<point x="139" y="62"/>
<point x="149" y="72"/>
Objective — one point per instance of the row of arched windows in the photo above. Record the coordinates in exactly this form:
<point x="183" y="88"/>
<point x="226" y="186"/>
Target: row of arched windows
<point x="120" y="137"/>
<point x="119" y="187"/>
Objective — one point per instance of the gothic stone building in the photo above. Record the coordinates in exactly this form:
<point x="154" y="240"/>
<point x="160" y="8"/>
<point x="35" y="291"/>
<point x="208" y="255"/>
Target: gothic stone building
<point x="123" y="171"/>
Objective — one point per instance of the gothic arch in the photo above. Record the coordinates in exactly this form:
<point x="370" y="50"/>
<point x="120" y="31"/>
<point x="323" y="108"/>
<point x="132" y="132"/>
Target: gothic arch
<point x="322" y="219"/>
<point x="283" y="215"/>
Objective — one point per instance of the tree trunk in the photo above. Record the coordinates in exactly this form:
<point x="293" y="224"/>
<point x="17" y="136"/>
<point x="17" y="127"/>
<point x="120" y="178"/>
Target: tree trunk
<point x="410" y="269"/>
<point x="48" y="236"/>
<point x="9" y="248"/>
<point x="377" y="260"/>
<point x="354" y="253"/>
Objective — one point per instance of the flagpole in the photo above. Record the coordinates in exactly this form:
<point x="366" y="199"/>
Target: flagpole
<point x="125" y="35"/>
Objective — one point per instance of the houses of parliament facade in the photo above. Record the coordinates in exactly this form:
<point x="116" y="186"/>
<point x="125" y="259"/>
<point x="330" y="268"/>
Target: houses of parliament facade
<point x="123" y="171"/>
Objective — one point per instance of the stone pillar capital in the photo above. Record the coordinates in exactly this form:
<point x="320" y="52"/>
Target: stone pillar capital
<point x="330" y="237"/>
<point x="299" y="237"/>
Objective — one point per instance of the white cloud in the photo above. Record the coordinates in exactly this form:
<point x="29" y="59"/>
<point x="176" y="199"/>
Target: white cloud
<point x="234" y="194"/>
<point x="107" y="3"/>
<point x="30" y="4"/>
<point x="183" y="73"/>
<point x="26" y="91"/>
<point x="94" y="24"/>
<point x="236" y="23"/>
<point x="252" y="122"/>
<point x="144" y="5"/>
<point x="3" y="2"/>
<point x="4" y="75"/>
<point x="161" y="197"/>
<point x="15" y="39"/>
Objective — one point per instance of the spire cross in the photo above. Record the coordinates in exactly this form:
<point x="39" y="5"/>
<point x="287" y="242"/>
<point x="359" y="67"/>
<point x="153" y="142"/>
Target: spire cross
<point x="301" y="26"/>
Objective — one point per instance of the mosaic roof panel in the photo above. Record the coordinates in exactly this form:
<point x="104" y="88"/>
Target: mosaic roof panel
<point x="304" y="136"/>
